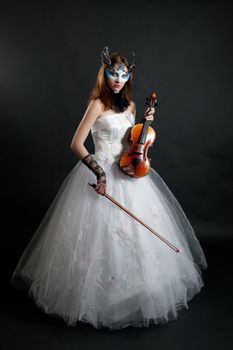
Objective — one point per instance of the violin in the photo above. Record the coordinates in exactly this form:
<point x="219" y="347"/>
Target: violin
<point x="135" y="162"/>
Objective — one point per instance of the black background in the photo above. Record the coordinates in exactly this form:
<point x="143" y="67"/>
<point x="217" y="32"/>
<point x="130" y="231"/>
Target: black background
<point x="50" y="55"/>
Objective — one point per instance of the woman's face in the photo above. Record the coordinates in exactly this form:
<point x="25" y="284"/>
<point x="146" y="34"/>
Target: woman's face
<point x="117" y="76"/>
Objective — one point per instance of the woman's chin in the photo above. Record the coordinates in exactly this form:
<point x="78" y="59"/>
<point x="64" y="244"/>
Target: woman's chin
<point x="116" y="90"/>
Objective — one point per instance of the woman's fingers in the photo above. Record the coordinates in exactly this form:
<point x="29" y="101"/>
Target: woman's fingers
<point x="149" y="117"/>
<point x="100" y="188"/>
<point x="149" y="113"/>
<point x="150" y="110"/>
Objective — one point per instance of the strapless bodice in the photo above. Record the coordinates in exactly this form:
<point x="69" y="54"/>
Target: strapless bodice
<point x="110" y="135"/>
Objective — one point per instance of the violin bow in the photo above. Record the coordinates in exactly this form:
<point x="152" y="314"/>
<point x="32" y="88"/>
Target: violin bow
<point x="139" y="220"/>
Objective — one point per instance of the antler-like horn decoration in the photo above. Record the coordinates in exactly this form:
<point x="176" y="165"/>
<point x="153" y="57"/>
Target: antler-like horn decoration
<point x="132" y="66"/>
<point x="105" y="57"/>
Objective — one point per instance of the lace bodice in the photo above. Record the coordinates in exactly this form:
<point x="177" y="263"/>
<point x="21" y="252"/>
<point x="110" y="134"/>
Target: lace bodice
<point x="110" y="135"/>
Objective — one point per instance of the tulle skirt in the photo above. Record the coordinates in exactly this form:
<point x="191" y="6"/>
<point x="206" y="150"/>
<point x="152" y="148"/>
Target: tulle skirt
<point x="90" y="261"/>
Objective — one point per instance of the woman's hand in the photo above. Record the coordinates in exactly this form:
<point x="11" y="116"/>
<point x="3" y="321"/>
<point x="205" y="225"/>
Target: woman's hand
<point x="149" y="114"/>
<point x="93" y="165"/>
<point x="100" y="188"/>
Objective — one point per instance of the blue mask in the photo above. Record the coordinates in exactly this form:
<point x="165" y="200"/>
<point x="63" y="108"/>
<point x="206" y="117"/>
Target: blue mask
<point x="119" y="74"/>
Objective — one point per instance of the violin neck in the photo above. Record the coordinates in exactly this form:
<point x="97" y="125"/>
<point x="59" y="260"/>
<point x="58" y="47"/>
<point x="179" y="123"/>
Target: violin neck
<point x="142" y="139"/>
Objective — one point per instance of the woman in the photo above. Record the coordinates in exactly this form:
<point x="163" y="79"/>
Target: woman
<point x="90" y="261"/>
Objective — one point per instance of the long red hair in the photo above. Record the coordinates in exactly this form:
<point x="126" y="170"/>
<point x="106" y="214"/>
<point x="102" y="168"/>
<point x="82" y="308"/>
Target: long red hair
<point x="101" y="89"/>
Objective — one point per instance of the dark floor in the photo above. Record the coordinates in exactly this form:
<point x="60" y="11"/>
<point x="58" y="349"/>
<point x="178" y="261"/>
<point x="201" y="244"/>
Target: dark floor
<point x="207" y="324"/>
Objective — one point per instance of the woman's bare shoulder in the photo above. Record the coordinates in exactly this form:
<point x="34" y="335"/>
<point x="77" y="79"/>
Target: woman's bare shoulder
<point x="96" y="104"/>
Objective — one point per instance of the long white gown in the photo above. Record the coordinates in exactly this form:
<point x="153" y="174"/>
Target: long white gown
<point x="90" y="261"/>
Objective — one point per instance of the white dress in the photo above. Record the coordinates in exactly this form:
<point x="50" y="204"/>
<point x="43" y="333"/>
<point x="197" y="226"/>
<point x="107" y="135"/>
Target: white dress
<point x="90" y="261"/>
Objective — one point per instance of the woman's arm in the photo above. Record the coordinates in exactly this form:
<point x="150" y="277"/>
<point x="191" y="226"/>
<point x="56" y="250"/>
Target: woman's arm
<point x="133" y="108"/>
<point x="77" y="144"/>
